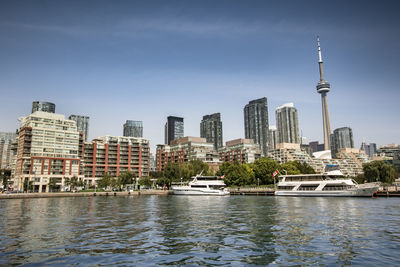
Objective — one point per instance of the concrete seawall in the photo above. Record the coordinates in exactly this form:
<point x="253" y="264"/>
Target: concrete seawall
<point x="84" y="194"/>
<point x="233" y="191"/>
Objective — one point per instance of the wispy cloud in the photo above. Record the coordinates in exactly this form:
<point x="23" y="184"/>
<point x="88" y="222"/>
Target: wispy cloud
<point x="144" y="26"/>
<point x="71" y="30"/>
<point x="187" y="26"/>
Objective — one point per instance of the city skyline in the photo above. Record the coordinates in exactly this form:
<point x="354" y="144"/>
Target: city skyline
<point x="177" y="55"/>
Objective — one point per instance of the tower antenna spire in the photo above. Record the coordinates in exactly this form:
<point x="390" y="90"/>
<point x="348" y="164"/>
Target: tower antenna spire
<point x="321" y="69"/>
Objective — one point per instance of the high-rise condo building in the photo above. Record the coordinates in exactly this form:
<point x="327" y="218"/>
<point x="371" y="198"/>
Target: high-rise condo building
<point x="186" y="149"/>
<point x="315" y="146"/>
<point x="43" y="106"/>
<point x="323" y="87"/>
<point x="48" y="147"/>
<point x="287" y="124"/>
<point x="256" y="123"/>
<point x="133" y="128"/>
<point x="240" y="150"/>
<point x="6" y="140"/>
<point x="82" y="124"/>
<point x="370" y="149"/>
<point x="173" y="129"/>
<point x="211" y="129"/>
<point x="341" y="138"/>
<point x="273" y="137"/>
<point x="114" y="155"/>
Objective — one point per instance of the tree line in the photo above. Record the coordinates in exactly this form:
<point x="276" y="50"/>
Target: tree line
<point x="378" y="171"/>
<point x="235" y="174"/>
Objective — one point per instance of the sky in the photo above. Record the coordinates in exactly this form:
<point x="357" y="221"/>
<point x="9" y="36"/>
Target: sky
<point x="145" y="60"/>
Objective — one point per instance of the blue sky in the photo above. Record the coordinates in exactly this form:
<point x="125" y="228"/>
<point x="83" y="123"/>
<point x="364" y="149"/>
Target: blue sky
<point x="146" y="60"/>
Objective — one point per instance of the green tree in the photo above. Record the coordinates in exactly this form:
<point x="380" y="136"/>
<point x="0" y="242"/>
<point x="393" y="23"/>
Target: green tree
<point x="198" y="166"/>
<point x="378" y="171"/>
<point x="371" y="173"/>
<point x="290" y="167"/>
<point x="126" y="178"/>
<point x="163" y="181"/>
<point x="223" y="168"/>
<point x="52" y="184"/>
<point x="360" y="179"/>
<point x="105" y="181"/>
<point x="172" y="171"/>
<point x="145" y="181"/>
<point x="81" y="183"/>
<point x="156" y="174"/>
<point x="67" y="182"/>
<point x="264" y="168"/>
<point x="185" y="171"/>
<point x="304" y="167"/>
<point x="113" y="182"/>
<point x="74" y="182"/>
<point x="5" y="177"/>
<point x="236" y="174"/>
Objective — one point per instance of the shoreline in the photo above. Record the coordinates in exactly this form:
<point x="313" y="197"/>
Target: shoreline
<point x="83" y="194"/>
<point x="233" y="191"/>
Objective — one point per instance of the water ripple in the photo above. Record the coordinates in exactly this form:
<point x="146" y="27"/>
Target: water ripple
<point x="206" y="231"/>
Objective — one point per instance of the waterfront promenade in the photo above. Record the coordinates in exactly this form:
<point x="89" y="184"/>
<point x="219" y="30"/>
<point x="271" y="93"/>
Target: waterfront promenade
<point x="84" y="194"/>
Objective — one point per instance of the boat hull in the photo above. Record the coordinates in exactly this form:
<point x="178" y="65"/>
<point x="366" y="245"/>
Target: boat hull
<point x="188" y="191"/>
<point x="358" y="192"/>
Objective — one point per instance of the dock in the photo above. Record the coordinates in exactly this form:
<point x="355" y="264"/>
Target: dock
<point x="262" y="191"/>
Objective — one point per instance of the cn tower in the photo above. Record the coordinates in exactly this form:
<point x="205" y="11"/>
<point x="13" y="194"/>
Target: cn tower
<point x="323" y="87"/>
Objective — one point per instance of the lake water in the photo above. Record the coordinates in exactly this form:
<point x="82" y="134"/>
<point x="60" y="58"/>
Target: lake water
<point x="195" y="230"/>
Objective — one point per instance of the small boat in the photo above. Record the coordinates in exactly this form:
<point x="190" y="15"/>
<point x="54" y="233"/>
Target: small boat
<point x="202" y="185"/>
<point x="331" y="183"/>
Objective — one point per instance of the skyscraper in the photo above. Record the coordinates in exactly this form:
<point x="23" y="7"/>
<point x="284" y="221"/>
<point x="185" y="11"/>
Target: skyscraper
<point x="82" y="123"/>
<point x="211" y="129"/>
<point x="43" y="106"/>
<point x="173" y="129"/>
<point x="341" y="138"/>
<point x="323" y="87"/>
<point x="370" y="149"/>
<point x="133" y="128"/>
<point x="273" y="137"/>
<point x="287" y="124"/>
<point x="6" y="140"/>
<point x="256" y="123"/>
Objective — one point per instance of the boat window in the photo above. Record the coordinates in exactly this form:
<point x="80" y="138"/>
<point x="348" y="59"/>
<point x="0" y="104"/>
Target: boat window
<point x="335" y="177"/>
<point x="337" y="187"/>
<point x="217" y="187"/>
<point x="308" y="187"/>
<point x="285" y="187"/>
<point x="198" y="186"/>
<point x="304" y="178"/>
<point x="209" y="178"/>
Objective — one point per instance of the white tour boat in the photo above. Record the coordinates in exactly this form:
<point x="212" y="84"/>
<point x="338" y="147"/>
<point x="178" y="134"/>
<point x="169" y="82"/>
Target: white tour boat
<point x="331" y="183"/>
<point x="202" y="185"/>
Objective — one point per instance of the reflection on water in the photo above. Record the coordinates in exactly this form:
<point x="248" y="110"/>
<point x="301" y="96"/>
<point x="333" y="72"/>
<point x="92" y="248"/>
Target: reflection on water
<point x="199" y="230"/>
